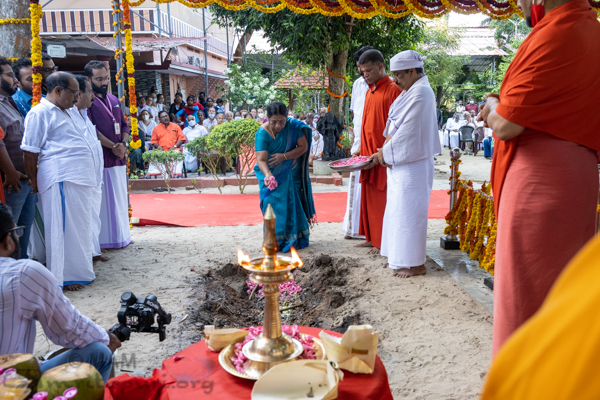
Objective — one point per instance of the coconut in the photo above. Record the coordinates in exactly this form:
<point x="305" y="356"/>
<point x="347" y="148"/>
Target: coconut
<point x="25" y="364"/>
<point x="82" y="376"/>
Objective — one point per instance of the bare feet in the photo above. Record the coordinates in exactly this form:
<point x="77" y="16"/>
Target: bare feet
<point x="374" y="250"/>
<point x="408" y="272"/>
<point x="103" y="251"/>
<point x="73" y="288"/>
<point x="100" y="258"/>
<point x="365" y="244"/>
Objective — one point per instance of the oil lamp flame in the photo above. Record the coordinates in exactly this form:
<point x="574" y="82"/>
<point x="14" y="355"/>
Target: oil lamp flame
<point x="243" y="259"/>
<point x="295" y="258"/>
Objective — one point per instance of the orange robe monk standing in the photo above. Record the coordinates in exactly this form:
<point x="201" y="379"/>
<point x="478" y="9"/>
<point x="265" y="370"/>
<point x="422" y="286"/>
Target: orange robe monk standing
<point x="380" y="96"/>
<point x="545" y="170"/>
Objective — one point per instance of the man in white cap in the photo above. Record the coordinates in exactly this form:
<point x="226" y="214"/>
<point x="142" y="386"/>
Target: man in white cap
<point x="411" y="142"/>
<point x="359" y="93"/>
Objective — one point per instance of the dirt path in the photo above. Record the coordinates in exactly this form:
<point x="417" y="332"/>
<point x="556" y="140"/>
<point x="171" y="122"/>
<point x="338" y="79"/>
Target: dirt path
<point x="435" y="340"/>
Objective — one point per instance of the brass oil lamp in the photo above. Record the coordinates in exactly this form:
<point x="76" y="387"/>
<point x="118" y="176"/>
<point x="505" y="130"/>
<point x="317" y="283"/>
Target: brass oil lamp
<point x="272" y="346"/>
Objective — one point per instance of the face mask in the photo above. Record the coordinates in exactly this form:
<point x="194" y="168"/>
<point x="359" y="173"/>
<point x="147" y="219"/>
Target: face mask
<point x="537" y="13"/>
<point x="472" y="102"/>
<point x="261" y="115"/>
<point x="211" y="116"/>
<point x="238" y="118"/>
<point x="314" y="133"/>
<point x="146" y="117"/>
<point x="191" y="123"/>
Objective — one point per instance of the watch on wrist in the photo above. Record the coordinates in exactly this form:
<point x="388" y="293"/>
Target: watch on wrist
<point x="125" y="142"/>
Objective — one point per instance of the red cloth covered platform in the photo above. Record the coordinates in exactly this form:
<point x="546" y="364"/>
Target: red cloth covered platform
<point x="197" y="209"/>
<point x="198" y="375"/>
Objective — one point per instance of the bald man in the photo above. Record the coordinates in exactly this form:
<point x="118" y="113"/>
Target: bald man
<point x="545" y="166"/>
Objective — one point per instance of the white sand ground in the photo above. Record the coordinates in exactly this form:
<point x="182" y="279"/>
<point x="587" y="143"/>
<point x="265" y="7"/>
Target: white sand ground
<point x="435" y="338"/>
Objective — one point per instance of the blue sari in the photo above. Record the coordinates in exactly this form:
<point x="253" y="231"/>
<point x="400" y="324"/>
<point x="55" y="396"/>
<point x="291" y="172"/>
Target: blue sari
<point x="292" y="200"/>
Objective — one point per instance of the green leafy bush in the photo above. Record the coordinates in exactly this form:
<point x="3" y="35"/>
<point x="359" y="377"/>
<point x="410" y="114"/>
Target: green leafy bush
<point x="165" y="162"/>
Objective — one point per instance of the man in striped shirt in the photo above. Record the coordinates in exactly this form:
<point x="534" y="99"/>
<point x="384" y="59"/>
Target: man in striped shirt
<point x="29" y="293"/>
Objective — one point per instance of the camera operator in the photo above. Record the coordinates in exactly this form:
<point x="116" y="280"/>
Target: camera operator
<point x="29" y="293"/>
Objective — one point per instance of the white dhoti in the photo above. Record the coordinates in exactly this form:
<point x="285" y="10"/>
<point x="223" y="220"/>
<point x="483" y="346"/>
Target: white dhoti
<point x="404" y="237"/>
<point x="453" y="139"/>
<point x="446" y="138"/>
<point x="96" y="221"/>
<point x="114" y="210"/>
<point x="178" y="170"/>
<point x="36" y="250"/>
<point x="68" y="232"/>
<point x="352" y="217"/>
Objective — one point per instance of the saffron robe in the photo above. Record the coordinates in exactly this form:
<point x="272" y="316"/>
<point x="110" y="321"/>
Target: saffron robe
<point x="374" y="181"/>
<point x="545" y="181"/>
<point x="555" y="354"/>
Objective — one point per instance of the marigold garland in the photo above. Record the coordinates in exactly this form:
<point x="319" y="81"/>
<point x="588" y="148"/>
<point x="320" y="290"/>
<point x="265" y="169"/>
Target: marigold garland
<point x="130" y="74"/>
<point x="36" y="13"/>
<point x="5" y="21"/>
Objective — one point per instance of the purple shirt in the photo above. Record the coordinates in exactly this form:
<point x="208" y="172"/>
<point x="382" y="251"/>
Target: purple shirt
<point x="105" y="125"/>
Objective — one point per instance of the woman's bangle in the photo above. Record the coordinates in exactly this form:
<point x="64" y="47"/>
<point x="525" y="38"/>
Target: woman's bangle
<point x="285" y="156"/>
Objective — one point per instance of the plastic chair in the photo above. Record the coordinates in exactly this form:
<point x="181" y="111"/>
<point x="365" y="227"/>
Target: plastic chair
<point x="465" y="135"/>
<point x="478" y="136"/>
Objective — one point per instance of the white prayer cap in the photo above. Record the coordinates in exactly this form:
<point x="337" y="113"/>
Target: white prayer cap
<point x="406" y="60"/>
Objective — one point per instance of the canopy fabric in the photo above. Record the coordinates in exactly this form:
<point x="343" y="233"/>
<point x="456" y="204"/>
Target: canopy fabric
<point x="363" y="9"/>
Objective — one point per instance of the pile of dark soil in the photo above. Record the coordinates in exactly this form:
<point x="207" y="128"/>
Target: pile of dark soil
<point x="327" y="298"/>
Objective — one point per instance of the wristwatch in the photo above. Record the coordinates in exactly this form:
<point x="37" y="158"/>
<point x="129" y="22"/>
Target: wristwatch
<point x="125" y="142"/>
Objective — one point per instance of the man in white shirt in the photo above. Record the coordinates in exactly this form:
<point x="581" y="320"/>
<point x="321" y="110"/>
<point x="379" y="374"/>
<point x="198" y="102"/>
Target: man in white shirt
<point x="30" y="293"/>
<point x="86" y="98"/>
<point x="357" y="104"/>
<point x="211" y="119"/>
<point x="316" y="147"/>
<point x="61" y="161"/>
<point x="411" y="141"/>
<point x="191" y="132"/>
<point x="452" y="127"/>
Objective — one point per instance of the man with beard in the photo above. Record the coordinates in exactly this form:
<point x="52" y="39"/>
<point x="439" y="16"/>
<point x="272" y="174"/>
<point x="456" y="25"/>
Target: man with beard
<point x="30" y="293"/>
<point x="113" y="132"/>
<point x="17" y="191"/>
<point x="60" y="159"/>
<point x="23" y="71"/>
<point x="359" y="92"/>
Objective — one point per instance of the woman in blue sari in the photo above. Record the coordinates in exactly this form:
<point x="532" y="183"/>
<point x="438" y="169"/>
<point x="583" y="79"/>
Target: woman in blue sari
<point x="281" y="147"/>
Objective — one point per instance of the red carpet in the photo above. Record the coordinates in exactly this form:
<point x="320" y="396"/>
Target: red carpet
<point x="196" y="209"/>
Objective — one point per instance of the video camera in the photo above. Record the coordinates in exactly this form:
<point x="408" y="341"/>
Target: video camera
<point x="137" y="315"/>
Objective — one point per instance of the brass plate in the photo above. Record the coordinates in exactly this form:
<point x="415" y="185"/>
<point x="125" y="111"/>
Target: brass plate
<point x="229" y="351"/>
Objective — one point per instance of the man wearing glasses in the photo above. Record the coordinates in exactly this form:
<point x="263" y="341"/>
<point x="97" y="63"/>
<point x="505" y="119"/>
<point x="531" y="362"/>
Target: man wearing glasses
<point x="30" y="293"/>
<point x="17" y="191"/>
<point x="60" y="159"/>
<point x="113" y="132"/>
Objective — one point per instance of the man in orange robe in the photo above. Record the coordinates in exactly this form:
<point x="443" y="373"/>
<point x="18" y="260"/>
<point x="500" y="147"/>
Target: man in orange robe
<point x="380" y="96"/>
<point x="545" y="170"/>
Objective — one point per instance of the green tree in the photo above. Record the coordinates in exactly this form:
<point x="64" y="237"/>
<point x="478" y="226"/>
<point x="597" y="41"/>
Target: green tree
<point x="508" y="30"/>
<point x="319" y="41"/>
<point x="438" y="43"/>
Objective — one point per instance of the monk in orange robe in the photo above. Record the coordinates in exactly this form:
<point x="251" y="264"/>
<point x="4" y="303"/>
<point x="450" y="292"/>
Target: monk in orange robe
<point x="545" y="169"/>
<point x="380" y="96"/>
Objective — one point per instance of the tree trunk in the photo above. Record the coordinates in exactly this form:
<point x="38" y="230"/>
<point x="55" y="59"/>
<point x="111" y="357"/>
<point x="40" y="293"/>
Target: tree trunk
<point x="439" y="95"/>
<point x="16" y="38"/>
<point x="337" y="65"/>
<point x="238" y="54"/>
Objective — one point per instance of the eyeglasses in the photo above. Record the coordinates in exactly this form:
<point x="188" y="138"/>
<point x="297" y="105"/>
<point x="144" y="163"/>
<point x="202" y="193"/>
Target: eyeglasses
<point x="100" y="80"/>
<point x="49" y="70"/>
<point x="75" y="92"/>
<point x="19" y="231"/>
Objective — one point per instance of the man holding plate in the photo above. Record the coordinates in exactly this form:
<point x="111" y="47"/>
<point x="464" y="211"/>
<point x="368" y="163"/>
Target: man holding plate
<point x="411" y="142"/>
